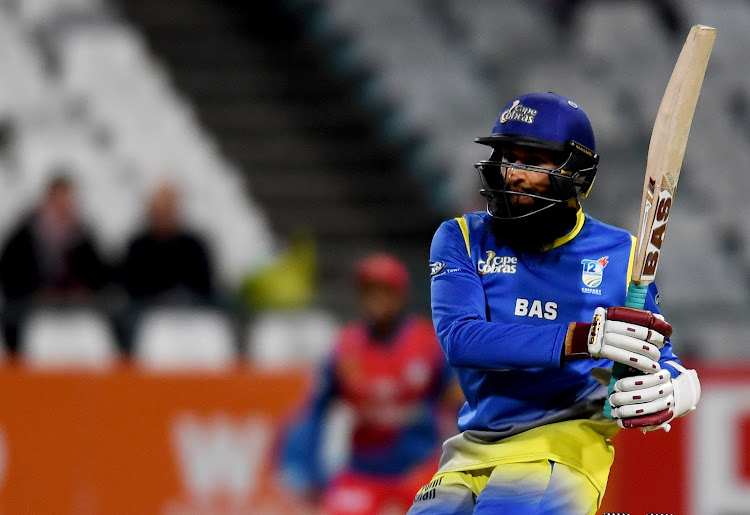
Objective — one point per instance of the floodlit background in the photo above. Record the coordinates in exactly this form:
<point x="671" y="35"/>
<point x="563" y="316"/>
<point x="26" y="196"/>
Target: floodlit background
<point x="280" y="141"/>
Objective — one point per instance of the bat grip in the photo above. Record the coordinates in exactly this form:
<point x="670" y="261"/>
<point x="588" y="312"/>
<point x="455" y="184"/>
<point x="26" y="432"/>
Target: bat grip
<point x="636" y="299"/>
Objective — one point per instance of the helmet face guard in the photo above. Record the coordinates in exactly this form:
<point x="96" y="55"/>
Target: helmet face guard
<point x="573" y="178"/>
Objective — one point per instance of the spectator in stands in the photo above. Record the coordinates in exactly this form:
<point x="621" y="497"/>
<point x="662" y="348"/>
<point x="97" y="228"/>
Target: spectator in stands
<point x="167" y="262"/>
<point x="389" y="369"/>
<point x="50" y="257"/>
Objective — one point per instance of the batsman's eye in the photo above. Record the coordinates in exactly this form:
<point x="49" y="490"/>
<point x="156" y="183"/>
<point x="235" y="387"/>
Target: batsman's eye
<point x="509" y="157"/>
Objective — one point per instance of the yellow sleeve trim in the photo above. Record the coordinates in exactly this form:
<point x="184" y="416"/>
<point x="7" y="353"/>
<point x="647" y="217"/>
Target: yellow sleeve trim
<point x="465" y="230"/>
<point x="631" y="263"/>
<point x="580" y="218"/>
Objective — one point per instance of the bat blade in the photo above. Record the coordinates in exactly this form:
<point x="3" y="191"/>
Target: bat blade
<point x="667" y="149"/>
<point x="665" y="154"/>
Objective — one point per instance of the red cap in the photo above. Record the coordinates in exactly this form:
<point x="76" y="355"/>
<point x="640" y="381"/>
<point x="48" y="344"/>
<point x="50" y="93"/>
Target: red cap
<point x="383" y="269"/>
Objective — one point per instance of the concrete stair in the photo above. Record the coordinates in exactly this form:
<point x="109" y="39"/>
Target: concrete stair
<point x="311" y="153"/>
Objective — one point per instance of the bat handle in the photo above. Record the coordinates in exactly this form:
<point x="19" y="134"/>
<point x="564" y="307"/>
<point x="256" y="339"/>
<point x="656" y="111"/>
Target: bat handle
<point x="636" y="299"/>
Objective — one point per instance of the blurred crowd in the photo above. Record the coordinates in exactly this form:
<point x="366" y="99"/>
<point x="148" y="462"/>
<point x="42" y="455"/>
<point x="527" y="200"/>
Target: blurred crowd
<point x="52" y="259"/>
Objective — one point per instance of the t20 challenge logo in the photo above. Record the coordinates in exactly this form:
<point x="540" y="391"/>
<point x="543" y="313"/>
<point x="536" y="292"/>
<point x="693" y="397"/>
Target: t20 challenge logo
<point x="593" y="271"/>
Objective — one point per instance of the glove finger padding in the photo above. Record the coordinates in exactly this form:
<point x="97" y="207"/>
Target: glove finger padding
<point x="641" y="318"/>
<point x="642" y="395"/>
<point x="646" y="408"/>
<point x="642" y="355"/>
<point x="646" y="395"/>
<point x="637" y="332"/>
<point x="629" y="384"/>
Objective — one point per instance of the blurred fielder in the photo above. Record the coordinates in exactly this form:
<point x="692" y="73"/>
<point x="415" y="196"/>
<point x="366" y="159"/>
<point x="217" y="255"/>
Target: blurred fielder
<point x="389" y="369"/>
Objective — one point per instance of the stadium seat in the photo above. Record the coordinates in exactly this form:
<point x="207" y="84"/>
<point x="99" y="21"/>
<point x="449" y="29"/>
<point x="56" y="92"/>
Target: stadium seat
<point x="193" y="338"/>
<point x="67" y="337"/>
<point x="279" y="339"/>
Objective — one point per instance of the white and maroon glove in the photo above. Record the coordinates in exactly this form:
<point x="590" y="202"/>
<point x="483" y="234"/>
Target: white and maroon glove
<point x="629" y="336"/>
<point x="652" y="401"/>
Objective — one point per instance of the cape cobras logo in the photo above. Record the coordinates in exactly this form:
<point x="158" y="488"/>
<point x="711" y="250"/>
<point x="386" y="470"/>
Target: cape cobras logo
<point x="495" y="264"/>
<point x="519" y="113"/>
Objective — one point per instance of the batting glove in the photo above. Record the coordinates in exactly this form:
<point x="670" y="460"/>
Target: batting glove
<point x="652" y="401"/>
<point x="629" y="336"/>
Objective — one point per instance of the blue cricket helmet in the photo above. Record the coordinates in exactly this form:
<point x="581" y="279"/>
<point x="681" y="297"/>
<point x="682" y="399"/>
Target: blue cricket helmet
<point x="543" y="119"/>
<point x="551" y="123"/>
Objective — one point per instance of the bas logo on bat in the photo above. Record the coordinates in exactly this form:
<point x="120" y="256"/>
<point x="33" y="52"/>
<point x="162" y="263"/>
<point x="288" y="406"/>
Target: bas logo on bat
<point x="656" y="239"/>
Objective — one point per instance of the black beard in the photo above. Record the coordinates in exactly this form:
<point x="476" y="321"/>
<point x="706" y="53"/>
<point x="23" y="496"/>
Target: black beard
<point x="536" y="231"/>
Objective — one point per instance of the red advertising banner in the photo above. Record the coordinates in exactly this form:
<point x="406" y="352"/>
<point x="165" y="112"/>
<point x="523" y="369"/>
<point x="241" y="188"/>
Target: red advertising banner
<point x="133" y="442"/>
<point x="701" y="466"/>
<point x="127" y="441"/>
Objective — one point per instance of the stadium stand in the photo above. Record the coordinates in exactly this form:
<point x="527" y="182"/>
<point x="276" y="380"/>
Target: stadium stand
<point x="85" y="92"/>
<point x="307" y="147"/>
<point x="356" y="119"/>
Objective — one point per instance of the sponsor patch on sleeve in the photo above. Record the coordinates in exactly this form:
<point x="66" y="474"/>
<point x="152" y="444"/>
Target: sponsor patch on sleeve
<point x="436" y="267"/>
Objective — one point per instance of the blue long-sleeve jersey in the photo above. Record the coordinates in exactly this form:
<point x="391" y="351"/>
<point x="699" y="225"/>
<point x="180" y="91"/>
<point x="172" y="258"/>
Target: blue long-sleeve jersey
<point x="501" y="317"/>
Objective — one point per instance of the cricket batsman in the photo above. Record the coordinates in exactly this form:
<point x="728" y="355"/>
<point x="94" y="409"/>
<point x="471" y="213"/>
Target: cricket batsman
<point x="527" y="304"/>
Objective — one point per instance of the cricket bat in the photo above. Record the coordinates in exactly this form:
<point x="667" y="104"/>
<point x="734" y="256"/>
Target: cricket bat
<point x="665" y="153"/>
